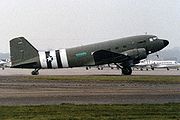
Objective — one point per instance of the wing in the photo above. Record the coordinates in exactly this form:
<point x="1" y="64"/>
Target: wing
<point x="105" y="57"/>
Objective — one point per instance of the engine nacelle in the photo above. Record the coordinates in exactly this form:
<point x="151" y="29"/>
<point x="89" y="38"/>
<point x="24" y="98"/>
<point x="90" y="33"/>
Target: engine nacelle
<point x="136" y="54"/>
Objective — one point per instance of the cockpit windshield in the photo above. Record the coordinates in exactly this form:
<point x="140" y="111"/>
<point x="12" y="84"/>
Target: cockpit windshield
<point x="153" y="38"/>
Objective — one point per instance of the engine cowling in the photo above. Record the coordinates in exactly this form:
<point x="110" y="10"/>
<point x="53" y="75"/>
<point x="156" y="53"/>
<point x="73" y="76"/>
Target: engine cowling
<point x="136" y="54"/>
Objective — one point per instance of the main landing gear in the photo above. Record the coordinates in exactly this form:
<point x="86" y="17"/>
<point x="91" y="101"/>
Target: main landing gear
<point x="35" y="72"/>
<point x="126" y="70"/>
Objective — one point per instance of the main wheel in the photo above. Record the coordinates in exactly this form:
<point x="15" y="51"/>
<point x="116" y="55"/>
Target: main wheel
<point x="126" y="71"/>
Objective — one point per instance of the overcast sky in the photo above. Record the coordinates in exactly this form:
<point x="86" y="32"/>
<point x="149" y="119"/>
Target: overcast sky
<point x="54" y="24"/>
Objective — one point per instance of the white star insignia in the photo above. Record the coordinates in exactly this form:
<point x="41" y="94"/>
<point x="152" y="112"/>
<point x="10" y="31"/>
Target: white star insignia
<point x="50" y="59"/>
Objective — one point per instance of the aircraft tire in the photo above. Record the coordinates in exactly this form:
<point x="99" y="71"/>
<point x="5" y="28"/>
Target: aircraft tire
<point x="35" y="72"/>
<point x="126" y="71"/>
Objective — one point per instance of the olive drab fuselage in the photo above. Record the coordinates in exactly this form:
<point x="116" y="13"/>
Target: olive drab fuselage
<point x="136" y="47"/>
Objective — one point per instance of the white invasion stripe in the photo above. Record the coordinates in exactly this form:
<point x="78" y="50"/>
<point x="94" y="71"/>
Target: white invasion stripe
<point x="54" y="61"/>
<point x="42" y="57"/>
<point x="64" y="59"/>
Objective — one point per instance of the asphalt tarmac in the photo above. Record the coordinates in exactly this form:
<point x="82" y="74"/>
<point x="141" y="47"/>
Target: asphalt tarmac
<point x="16" y="89"/>
<point x="83" y="71"/>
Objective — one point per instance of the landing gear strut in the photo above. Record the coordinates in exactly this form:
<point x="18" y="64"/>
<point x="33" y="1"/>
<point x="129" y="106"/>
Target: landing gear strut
<point x="126" y="70"/>
<point x="35" y="72"/>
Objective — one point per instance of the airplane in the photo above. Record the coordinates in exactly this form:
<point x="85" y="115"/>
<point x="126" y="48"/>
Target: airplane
<point x="158" y="64"/>
<point x="144" y="64"/>
<point x="168" y="64"/>
<point x="123" y="52"/>
<point x="2" y="64"/>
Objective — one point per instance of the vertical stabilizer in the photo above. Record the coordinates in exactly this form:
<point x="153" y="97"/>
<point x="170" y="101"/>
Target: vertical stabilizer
<point x="23" y="54"/>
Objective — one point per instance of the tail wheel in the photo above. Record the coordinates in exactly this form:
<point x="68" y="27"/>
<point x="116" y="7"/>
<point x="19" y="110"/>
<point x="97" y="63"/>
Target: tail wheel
<point x="35" y="72"/>
<point x="126" y="71"/>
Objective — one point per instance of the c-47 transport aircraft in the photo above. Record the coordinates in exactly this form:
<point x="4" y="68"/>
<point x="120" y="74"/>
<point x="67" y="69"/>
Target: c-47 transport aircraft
<point x="124" y="52"/>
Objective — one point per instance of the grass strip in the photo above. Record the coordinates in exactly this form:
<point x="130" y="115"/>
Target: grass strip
<point x="92" y="112"/>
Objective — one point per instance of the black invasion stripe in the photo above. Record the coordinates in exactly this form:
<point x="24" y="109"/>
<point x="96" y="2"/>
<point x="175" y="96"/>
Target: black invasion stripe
<point x="49" y="65"/>
<point x="58" y="59"/>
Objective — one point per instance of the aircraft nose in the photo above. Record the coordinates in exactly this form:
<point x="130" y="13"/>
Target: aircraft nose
<point x="165" y="43"/>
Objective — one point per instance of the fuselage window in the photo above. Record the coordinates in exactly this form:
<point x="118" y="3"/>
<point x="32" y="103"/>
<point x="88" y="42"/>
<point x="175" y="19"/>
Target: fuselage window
<point x="116" y="48"/>
<point x="124" y="46"/>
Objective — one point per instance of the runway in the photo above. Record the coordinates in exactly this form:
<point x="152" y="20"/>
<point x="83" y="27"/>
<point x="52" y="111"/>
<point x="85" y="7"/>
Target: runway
<point x="19" y="89"/>
<point x="83" y="71"/>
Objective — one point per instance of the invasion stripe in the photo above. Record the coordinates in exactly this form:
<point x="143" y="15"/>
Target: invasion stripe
<point x="53" y="59"/>
<point x="42" y="57"/>
<point x="64" y="59"/>
<point x="58" y="59"/>
<point x="49" y="65"/>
